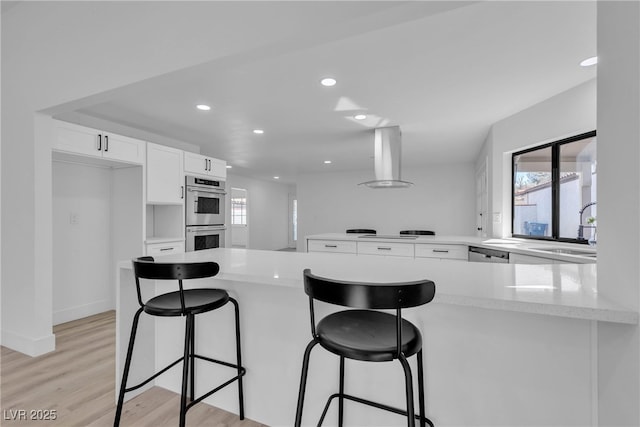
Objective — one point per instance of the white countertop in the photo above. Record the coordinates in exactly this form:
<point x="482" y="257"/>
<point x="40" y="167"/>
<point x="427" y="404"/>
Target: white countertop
<point x="521" y="246"/>
<point x="566" y="290"/>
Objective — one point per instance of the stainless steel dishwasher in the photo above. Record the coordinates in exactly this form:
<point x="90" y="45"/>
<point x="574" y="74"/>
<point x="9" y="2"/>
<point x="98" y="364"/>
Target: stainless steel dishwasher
<point x="477" y="254"/>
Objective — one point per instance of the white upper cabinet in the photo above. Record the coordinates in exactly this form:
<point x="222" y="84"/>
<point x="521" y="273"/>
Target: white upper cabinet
<point x="85" y="141"/>
<point x="197" y="164"/>
<point x="165" y="175"/>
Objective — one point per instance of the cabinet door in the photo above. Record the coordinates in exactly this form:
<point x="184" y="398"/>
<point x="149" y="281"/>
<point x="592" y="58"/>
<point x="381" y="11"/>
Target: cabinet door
<point x="195" y="164"/>
<point x="77" y="139"/>
<point x="165" y="248"/>
<point x="386" y="249"/>
<point x="218" y="168"/>
<point x="336" y="246"/>
<point x="441" y="251"/>
<point x="165" y="177"/>
<point x="118" y="147"/>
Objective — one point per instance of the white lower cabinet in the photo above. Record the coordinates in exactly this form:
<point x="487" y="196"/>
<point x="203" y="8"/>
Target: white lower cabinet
<point x="343" y="247"/>
<point x="386" y="249"/>
<point x="441" y="251"/>
<point x="165" y="248"/>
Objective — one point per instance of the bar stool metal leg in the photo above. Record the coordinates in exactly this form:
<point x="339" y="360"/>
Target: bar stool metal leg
<point x="303" y="382"/>
<point x="185" y="370"/>
<point x="341" y="398"/>
<point x="127" y="365"/>
<point x="411" y="422"/>
<point x="192" y="379"/>
<point x="421" y="389"/>
<point x="239" y="358"/>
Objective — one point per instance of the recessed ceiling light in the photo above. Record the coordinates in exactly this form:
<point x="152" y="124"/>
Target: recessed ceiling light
<point x="229" y="166"/>
<point x="203" y="107"/>
<point x="258" y="131"/>
<point x="327" y="162"/>
<point x="589" y="61"/>
<point x="276" y="177"/>
<point x="360" y="116"/>
<point x="328" y="81"/>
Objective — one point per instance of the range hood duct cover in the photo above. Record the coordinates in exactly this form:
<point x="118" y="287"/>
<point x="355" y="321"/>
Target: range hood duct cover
<point x="387" y="155"/>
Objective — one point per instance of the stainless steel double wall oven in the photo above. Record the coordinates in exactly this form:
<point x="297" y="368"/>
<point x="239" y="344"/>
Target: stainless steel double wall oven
<point x="205" y="213"/>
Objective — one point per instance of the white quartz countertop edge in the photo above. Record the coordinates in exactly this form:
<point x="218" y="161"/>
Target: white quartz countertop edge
<point x="258" y="267"/>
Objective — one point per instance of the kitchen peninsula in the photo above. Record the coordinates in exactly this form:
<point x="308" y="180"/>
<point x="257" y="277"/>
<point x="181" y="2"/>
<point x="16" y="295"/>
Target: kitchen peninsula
<point x="501" y="340"/>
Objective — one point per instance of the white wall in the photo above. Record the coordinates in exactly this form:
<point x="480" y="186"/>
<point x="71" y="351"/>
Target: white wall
<point x="267" y="211"/>
<point x="82" y="266"/>
<point x="619" y="207"/>
<point x="442" y="200"/>
<point x="567" y="114"/>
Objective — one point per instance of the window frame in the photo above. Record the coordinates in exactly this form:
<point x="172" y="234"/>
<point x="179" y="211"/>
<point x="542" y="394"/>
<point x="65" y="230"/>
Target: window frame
<point x="555" y="188"/>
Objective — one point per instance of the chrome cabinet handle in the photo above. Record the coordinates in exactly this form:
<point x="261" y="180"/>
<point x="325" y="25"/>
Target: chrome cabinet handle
<point x="330" y="246"/>
<point x="165" y="249"/>
<point x="383" y="249"/>
<point x="106" y="143"/>
<point x="205" y="164"/>
<point x="182" y="192"/>
<point x="99" y="142"/>
<point x="442" y="251"/>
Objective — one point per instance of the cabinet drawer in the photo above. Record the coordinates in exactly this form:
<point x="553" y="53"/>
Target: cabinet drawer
<point x="331" y="246"/>
<point x="442" y="251"/>
<point x="165" y="248"/>
<point x="381" y="248"/>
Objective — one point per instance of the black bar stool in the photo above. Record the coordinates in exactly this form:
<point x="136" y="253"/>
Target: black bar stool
<point x="367" y="335"/>
<point x="188" y="303"/>
<point x="361" y="231"/>
<point x="418" y="232"/>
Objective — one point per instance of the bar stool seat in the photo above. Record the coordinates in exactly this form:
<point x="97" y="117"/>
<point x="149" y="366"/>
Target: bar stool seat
<point x="196" y="301"/>
<point x="367" y="335"/>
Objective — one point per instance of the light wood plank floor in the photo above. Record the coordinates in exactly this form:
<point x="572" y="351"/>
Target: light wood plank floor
<point x="77" y="381"/>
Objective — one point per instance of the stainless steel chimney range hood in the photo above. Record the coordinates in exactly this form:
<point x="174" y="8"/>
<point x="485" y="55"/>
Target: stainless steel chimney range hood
<point x="387" y="156"/>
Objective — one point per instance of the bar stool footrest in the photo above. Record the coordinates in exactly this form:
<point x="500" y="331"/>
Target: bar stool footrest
<point x="382" y="406"/>
<point x="154" y="376"/>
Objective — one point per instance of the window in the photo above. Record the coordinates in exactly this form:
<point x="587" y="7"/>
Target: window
<point x="239" y="210"/>
<point x="554" y="190"/>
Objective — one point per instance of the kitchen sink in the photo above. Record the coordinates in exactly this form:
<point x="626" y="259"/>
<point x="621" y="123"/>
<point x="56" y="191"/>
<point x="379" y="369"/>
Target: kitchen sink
<point x="567" y="251"/>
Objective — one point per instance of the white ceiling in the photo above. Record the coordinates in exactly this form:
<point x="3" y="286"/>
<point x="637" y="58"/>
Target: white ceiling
<point x="443" y="72"/>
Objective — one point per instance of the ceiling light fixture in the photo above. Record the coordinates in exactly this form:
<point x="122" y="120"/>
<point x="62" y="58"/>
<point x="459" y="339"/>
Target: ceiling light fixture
<point x="328" y="81"/>
<point x="360" y="116"/>
<point x="276" y="177"/>
<point x="203" y="107"/>
<point x="258" y="131"/>
<point x="589" y="61"/>
<point x="327" y="162"/>
<point x="229" y="166"/>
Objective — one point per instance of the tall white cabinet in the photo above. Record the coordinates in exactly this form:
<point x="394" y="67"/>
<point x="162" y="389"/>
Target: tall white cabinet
<point x="164" y="200"/>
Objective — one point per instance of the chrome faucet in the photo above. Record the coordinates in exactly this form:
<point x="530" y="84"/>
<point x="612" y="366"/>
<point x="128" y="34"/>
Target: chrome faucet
<point x="581" y="226"/>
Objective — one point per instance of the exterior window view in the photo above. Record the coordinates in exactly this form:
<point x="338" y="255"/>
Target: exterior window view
<point x="554" y="190"/>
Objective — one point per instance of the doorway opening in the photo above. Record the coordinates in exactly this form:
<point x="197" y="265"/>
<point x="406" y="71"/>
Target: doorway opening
<point x="239" y="218"/>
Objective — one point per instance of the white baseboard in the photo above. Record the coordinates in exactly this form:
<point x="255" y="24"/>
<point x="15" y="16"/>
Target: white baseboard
<point x="80" y="311"/>
<point x="30" y="346"/>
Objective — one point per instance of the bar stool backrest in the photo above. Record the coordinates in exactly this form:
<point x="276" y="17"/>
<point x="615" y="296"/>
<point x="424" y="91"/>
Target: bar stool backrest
<point x="377" y="296"/>
<point x="146" y="268"/>
<point x="418" y="232"/>
<point x="368" y="295"/>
